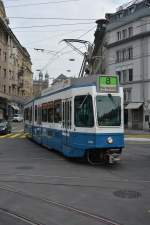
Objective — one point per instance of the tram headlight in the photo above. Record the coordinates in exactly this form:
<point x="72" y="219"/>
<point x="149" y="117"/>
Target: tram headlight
<point x="110" y="140"/>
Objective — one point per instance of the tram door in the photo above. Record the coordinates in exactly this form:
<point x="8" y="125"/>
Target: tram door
<point x="66" y="121"/>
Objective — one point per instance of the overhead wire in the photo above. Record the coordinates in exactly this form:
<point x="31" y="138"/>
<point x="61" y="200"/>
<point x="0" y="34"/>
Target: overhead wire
<point x="50" y="37"/>
<point x="51" y="18"/>
<point x="40" y="3"/>
<point x="50" y="25"/>
<point x="61" y="50"/>
<point x="49" y="31"/>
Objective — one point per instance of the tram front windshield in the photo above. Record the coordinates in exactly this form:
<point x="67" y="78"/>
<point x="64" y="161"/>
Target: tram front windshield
<point x="108" y="110"/>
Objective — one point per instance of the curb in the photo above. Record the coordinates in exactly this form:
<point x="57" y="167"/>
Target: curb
<point x="138" y="139"/>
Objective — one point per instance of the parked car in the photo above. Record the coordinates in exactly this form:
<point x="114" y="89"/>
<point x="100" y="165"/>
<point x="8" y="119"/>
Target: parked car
<point x="17" y="118"/>
<point x="5" y="127"/>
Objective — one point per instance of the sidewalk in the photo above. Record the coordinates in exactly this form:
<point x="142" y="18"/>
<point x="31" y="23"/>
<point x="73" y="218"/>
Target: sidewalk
<point x="137" y="135"/>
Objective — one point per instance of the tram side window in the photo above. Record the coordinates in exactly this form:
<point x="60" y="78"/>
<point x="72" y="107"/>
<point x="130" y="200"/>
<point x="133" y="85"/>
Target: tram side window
<point x="35" y="113"/>
<point x="39" y="119"/>
<point x="30" y="114"/>
<point x="83" y="112"/>
<point x="44" y="113"/>
<point x="50" y="112"/>
<point x="57" y="111"/>
<point x="26" y="114"/>
<point x="70" y="116"/>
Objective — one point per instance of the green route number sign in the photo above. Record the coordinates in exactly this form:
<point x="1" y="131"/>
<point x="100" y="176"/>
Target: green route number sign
<point x="107" y="83"/>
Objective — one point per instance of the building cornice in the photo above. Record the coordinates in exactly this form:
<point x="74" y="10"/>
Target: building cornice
<point x="135" y="82"/>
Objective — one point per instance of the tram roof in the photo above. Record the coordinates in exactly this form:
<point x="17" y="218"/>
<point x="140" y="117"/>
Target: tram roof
<point x="67" y="83"/>
<point x="71" y="82"/>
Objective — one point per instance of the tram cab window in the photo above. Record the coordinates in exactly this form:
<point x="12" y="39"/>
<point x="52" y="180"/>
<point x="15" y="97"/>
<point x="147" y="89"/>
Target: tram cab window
<point x="108" y="110"/>
<point x="50" y="112"/>
<point x="57" y="111"/>
<point x="83" y="113"/>
<point x="44" y="112"/>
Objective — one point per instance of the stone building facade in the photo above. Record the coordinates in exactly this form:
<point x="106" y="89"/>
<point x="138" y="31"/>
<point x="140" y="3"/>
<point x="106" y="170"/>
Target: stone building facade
<point x="126" y="52"/>
<point x="41" y="84"/>
<point x="15" y="69"/>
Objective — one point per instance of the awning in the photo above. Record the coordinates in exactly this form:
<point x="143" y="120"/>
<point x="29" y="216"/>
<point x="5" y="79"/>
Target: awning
<point x="134" y="105"/>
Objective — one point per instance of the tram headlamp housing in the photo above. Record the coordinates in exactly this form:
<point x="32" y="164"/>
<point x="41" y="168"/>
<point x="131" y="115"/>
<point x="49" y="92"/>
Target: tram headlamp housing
<point x="110" y="140"/>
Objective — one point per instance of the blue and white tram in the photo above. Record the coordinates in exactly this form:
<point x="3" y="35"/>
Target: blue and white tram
<point x="79" y="117"/>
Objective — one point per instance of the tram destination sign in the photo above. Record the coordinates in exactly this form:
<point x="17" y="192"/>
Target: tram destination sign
<point x="107" y="83"/>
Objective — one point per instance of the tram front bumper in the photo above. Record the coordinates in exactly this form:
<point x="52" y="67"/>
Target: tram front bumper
<point x="110" y="141"/>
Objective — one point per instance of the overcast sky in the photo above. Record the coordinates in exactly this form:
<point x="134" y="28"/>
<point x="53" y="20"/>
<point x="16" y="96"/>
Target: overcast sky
<point x="49" y="36"/>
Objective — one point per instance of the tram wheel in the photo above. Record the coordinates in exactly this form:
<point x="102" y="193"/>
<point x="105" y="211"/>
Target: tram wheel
<point x="93" y="157"/>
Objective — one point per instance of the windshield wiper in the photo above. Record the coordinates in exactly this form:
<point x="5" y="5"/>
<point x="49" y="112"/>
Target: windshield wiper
<point x="111" y="98"/>
<point x="80" y="106"/>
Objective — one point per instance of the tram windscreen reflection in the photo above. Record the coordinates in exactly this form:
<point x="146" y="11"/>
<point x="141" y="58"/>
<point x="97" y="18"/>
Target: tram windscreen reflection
<point x="108" y="110"/>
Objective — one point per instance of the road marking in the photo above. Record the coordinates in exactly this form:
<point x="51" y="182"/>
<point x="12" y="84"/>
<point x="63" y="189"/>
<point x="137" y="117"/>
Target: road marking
<point x="23" y="136"/>
<point x="13" y="136"/>
<point x="6" y="136"/>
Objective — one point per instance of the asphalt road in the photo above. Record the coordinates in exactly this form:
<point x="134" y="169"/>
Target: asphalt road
<point x="39" y="186"/>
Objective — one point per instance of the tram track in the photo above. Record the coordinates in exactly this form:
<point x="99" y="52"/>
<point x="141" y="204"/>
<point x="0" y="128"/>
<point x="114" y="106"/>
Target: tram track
<point x="19" y="217"/>
<point x="57" y="204"/>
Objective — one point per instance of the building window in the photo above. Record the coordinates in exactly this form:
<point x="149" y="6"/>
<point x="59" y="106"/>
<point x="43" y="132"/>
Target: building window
<point x="5" y="56"/>
<point x="124" y="34"/>
<point x="130" y="53"/>
<point x="118" y="35"/>
<point x="124" y="75"/>
<point x="130" y="74"/>
<point x="4" y="73"/>
<point x="57" y="111"/>
<point x="124" y="54"/>
<point x="13" y="75"/>
<point x="131" y="9"/>
<point x="4" y="88"/>
<point x="130" y="31"/>
<point x="10" y="75"/>
<point x="118" y="56"/>
<point x="9" y="90"/>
